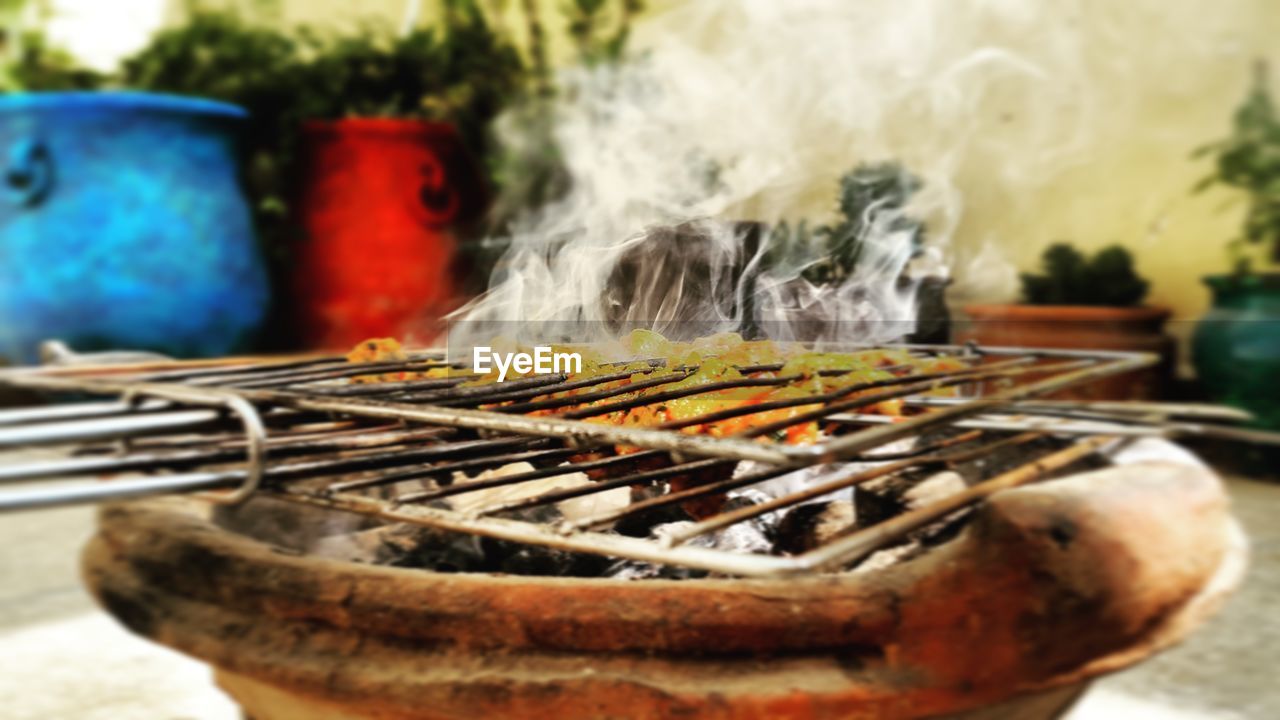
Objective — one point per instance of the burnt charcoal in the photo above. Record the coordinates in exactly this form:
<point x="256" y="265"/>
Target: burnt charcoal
<point x="461" y="554"/>
<point x="875" y="506"/>
<point x="1007" y="458"/>
<point x="750" y="536"/>
<point x="637" y="570"/>
<point x="943" y="530"/>
<point x="808" y="526"/>
<point x="287" y="524"/>
<point x="534" y="560"/>
<point x="543" y="514"/>
<point x="408" y="546"/>
<point x="641" y="524"/>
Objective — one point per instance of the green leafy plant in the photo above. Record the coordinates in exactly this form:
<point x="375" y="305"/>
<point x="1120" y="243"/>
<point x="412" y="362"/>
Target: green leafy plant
<point x="872" y="201"/>
<point x="1069" y="278"/>
<point x="532" y="171"/>
<point x="1249" y="160"/>
<point x="466" y="68"/>
<point x="222" y="56"/>
<point x="462" y="72"/>
<point x="35" y="64"/>
<point x="600" y="29"/>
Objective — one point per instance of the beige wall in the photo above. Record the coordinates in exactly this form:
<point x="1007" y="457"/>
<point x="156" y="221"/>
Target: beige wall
<point x="1161" y="84"/>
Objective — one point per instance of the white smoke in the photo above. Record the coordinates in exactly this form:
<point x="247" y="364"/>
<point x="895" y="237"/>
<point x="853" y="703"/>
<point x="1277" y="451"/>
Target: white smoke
<point x="753" y="109"/>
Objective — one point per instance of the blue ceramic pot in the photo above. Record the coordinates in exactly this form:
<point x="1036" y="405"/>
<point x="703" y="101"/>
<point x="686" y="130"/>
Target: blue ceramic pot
<point x="123" y="225"/>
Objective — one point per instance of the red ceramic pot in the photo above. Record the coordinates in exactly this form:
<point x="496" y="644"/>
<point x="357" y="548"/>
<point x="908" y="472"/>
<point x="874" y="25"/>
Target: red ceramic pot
<point x="378" y="204"/>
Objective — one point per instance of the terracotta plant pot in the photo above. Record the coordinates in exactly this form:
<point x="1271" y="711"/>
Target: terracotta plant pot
<point x="1079" y="327"/>
<point x="378" y="203"/>
<point x="1047" y="587"/>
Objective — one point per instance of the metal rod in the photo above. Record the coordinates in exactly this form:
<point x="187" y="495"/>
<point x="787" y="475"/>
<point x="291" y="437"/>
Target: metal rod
<point x="348" y="370"/>
<point x="280" y="447"/>
<point x="644" y="477"/>
<point x="1016" y="423"/>
<point x="604" y="394"/>
<point x="840" y="480"/>
<point x="1142" y="408"/>
<point x="51" y="496"/>
<point x="862" y="543"/>
<point x="390" y="388"/>
<point x="876" y="436"/>
<point x="576" y="433"/>
<point x="559" y="387"/>
<point x="677" y="496"/>
<point x="69" y="411"/>
<point x="447" y="469"/>
<point x="490" y="483"/>
<point x="901" y="391"/>
<point x="105" y="428"/>
<point x="609" y="545"/>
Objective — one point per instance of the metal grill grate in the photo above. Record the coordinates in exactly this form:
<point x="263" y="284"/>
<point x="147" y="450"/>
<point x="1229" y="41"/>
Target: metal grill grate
<point x="299" y="430"/>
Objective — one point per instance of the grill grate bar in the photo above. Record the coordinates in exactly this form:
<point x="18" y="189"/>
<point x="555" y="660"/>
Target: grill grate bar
<point x="491" y="483"/>
<point x="329" y="441"/>
<point x="446" y="470"/>
<point x="645" y="477"/>
<point x="862" y="543"/>
<point x="848" y="478"/>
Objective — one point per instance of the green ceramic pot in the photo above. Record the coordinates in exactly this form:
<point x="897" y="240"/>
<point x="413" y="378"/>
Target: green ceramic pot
<point x="1237" y="344"/>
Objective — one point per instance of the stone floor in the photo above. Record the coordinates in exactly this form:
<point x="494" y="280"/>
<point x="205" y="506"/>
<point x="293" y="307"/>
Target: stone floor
<point x="62" y="658"/>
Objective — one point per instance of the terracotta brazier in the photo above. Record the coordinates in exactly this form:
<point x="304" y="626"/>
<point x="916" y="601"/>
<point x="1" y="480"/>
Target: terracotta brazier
<point x="1047" y="586"/>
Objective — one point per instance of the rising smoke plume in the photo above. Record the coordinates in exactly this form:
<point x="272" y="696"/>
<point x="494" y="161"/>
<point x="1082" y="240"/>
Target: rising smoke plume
<point x="750" y="110"/>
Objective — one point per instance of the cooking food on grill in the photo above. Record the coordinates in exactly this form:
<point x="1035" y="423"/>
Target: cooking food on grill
<point x="720" y="385"/>
<point x="388" y="350"/>
<point x="736" y="374"/>
<point x="720" y="363"/>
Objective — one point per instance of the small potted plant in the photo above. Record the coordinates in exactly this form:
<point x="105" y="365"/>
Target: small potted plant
<point x="390" y="171"/>
<point x="875" y="236"/>
<point x="1080" y="302"/>
<point x="1236" y="346"/>
<point x="363" y="156"/>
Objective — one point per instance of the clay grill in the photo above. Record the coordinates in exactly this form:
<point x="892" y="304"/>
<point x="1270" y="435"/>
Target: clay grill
<point x="1055" y="577"/>
<point x="299" y="431"/>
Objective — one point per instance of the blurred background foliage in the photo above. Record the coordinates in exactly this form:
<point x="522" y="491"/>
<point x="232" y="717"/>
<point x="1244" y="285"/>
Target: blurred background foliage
<point x="458" y="61"/>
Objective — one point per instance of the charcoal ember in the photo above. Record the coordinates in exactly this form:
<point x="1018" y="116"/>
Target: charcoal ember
<point x="637" y="570"/>
<point x="873" y="506"/>
<point x="707" y="505"/>
<point x="807" y="526"/>
<point x="288" y="524"/>
<point x="641" y="524"/>
<point x="535" y="560"/>
<point x="989" y="465"/>
<point x="514" y="558"/>
<point x="409" y="546"/>
<point x="744" y="537"/>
